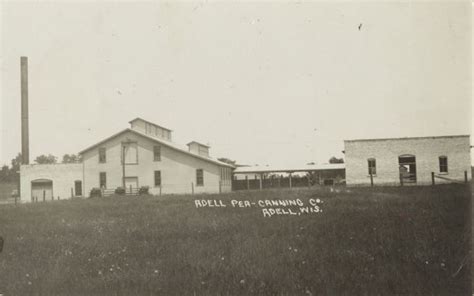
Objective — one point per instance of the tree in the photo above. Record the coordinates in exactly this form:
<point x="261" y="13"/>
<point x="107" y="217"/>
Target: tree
<point x="71" y="158"/>
<point x="46" y="159"/>
<point x="16" y="162"/>
<point x="226" y="160"/>
<point x="5" y="174"/>
<point x="336" y="160"/>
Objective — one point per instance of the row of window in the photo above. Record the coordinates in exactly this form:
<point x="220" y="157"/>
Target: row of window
<point x="157" y="178"/>
<point x="154" y="130"/>
<point x="130" y="153"/>
<point x="443" y="165"/>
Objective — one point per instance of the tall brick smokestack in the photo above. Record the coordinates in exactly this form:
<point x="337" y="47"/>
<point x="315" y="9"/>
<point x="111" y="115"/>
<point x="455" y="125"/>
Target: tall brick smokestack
<point x="25" y="145"/>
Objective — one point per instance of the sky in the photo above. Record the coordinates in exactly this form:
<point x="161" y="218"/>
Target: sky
<point x="278" y="83"/>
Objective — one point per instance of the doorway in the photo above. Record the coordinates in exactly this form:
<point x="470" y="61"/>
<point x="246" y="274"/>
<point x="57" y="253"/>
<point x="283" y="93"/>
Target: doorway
<point x="41" y="189"/>
<point x="78" y="188"/>
<point x="407" y="168"/>
<point x="131" y="182"/>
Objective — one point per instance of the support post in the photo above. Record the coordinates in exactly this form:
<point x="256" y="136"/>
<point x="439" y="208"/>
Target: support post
<point x="192" y="187"/>
<point x="290" y="181"/>
<point x="432" y="178"/>
<point x="247" y="181"/>
<point x="465" y="176"/>
<point x="220" y="186"/>
<point x="371" y="179"/>
<point x="160" y="190"/>
<point x="260" y="179"/>
<point x="123" y="168"/>
<point x="44" y="195"/>
<point x="401" y="180"/>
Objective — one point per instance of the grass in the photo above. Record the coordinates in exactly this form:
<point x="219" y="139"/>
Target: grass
<point x="387" y="241"/>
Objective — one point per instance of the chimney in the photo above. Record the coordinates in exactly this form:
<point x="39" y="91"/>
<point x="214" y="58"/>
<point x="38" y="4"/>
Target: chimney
<point x="25" y="150"/>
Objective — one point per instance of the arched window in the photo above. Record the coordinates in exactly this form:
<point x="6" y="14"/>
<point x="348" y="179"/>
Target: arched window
<point x="372" y="166"/>
<point x="443" y="164"/>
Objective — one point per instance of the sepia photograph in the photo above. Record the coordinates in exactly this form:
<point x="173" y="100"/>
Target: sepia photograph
<point x="264" y="147"/>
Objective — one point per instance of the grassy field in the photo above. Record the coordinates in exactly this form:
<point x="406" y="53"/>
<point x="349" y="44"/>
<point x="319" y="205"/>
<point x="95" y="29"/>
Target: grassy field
<point x="391" y="241"/>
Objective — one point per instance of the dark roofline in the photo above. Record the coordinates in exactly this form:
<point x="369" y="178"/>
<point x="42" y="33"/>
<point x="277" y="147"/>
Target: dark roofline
<point x="407" y="138"/>
<point x="198" y="144"/>
<point x="139" y="118"/>
<point x="158" y="141"/>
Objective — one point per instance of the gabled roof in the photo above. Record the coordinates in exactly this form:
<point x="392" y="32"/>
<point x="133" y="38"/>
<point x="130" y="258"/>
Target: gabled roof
<point x="198" y="144"/>
<point x="149" y="122"/>
<point x="161" y="142"/>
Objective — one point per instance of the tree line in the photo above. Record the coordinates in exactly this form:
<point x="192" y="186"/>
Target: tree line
<point x="10" y="173"/>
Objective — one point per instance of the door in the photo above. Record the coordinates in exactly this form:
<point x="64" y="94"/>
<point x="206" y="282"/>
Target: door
<point x="407" y="168"/>
<point x="78" y="188"/>
<point x="131" y="182"/>
<point x="41" y="189"/>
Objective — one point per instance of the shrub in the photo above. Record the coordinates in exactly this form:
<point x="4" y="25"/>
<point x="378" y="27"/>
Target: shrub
<point x="120" y="191"/>
<point x="95" y="192"/>
<point x="144" y="190"/>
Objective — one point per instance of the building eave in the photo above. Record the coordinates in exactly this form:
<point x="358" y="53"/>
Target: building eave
<point x="164" y="143"/>
<point x="407" y="138"/>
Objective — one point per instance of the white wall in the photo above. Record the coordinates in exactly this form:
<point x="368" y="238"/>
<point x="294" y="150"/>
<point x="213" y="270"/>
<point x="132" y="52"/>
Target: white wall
<point x="178" y="169"/>
<point x="62" y="175"/>
<point x="426" y="151"/>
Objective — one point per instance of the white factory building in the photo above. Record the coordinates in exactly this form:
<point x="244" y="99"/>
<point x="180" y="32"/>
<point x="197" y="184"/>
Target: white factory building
<point x="142" y="155"/>
<point x="408" y="161"/>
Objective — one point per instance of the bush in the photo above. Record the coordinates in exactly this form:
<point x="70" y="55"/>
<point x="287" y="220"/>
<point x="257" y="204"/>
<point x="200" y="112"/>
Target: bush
<point x="120" y="191"/>
<point x="95" y="192"/>
<point x="144" y="190"/>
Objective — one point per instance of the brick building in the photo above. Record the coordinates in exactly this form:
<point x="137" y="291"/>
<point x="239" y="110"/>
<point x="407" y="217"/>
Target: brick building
<point x="397" y="161"/>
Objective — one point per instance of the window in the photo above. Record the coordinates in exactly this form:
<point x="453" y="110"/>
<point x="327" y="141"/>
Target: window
<point x="102" y="155"/>
<point x="199" y="177"/>
<point x="372" y="166"/>
<point x="130" y="151"/>
<point x="157" y="178"/>
<point x="103" y="180"/>
<point x="156" y="153"/>
<point x="443" y="164"/>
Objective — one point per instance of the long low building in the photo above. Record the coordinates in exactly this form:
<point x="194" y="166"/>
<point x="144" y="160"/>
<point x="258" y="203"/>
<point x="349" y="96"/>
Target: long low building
<point x="142" y="155"/>
<point x="408" y="161"/>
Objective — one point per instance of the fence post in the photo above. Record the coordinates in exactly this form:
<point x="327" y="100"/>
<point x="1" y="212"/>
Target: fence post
<point x="160" y="190"/>
<point x="290" y="181"/>
<point x="44" y="195"/>
<point x="465" y="176"/>
<point x="220" y="186"/>
<point x="247" y="180"/>
<point x="260" y="179"/>
<point x="192" y="187"/>
<point x="432" y="178"/>
<point x="371" y="179"/>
